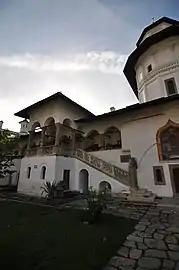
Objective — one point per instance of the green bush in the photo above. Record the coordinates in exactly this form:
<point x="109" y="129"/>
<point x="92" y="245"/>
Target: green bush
<point x="96" y="205"/>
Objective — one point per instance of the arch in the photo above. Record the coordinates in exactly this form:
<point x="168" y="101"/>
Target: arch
<point x="167" y="139"/>
<point x="105" y="187"/>
<point x="83" y="181"/>
<point x="66" y="128"/>
<point x="92" y="141"/>
<point x="43" y="172"/>
<point x="28" y="172"/>
<point x="92" y="133"/>
<point x="112" y="138"/>
<point x="49" y="121"/>
<point x="68" y="122"/>
<point x="79" y="139"/>
<point x="36" y="126"/>
<point x="50" y="131"/>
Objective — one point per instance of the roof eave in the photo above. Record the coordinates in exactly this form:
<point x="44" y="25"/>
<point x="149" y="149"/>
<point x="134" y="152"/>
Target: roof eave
<point x="149" y="27"/>
<point x="25" y="112"/>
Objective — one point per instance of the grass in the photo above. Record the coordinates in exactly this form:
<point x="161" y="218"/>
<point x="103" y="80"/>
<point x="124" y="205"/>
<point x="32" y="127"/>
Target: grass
<point x="33" y="237"/>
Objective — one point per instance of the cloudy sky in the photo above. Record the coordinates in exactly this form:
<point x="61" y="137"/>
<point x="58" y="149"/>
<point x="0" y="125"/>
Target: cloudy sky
<point x="78" y="47"/>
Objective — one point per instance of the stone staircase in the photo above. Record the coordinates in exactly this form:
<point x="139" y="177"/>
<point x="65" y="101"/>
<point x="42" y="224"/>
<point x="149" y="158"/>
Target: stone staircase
<point x="99" y="164"/>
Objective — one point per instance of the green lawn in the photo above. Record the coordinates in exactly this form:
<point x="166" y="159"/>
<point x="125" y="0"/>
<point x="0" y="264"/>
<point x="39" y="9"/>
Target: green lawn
<point x="34" y="237"/>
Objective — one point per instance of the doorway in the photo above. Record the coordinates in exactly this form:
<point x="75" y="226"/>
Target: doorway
<point x="66" y="178"/>
<point x="174" y="173"/>
<point x="83" y="181"/>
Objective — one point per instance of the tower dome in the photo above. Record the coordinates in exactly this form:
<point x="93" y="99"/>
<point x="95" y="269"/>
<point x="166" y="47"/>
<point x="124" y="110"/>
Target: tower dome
<point x="152" y="69"/>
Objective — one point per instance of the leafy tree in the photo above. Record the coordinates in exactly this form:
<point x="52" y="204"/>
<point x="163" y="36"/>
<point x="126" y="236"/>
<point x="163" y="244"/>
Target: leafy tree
<point x="8" y="144"/>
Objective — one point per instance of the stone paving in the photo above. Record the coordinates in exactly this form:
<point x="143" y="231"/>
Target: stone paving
<point x="153" y="245"/>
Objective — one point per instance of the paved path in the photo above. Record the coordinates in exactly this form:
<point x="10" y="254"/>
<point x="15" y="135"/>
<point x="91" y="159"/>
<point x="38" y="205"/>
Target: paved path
<point x="153" y="245"/>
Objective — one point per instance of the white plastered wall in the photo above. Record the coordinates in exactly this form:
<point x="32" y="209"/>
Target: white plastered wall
<point x="140" y="137"/>
<point x="33" y="185"/>
<point x="55" y="167"/>
<point x="113" y="157"/>
<point x="95" y="177"/>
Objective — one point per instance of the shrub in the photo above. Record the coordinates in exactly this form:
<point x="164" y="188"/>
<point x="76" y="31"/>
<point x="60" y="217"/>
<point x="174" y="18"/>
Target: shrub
<point x="96" y="205"/>
<point x="50" y="189"/>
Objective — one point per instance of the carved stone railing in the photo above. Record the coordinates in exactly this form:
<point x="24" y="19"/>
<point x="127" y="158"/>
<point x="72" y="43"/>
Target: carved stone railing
<point x="49" y="150"/>
<point x="103" y="166"/>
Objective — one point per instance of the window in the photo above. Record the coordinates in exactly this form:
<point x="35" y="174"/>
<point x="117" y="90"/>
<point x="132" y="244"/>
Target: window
<point x="149" y="68"/>
<point x="28" y="172"/>
<point x="168" y="141"/>
<point x="159" y="175"/>
<point x="170" y="86"/>
<point x="125" y="158"/>
<point x="43" y="172"/>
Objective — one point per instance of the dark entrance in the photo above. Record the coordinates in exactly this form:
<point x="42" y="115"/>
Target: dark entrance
<point x="174" y="172"/>
<point x="66" y="178"/>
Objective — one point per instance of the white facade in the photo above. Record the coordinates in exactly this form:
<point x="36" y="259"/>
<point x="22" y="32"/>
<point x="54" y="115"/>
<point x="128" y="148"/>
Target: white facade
<point x="138" y="126"/>
<point x="55" y="168"/>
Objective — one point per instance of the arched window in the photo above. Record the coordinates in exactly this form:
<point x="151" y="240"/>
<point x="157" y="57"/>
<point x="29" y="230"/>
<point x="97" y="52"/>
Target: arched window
<point x="28" y="172"/>
<point x="105" y="187"/>
<point x="43" y="172"/>
<point x="36" y="127"/>
<point x="92" y="141"/>
<point x="112" y="138"/>
<point x="50" y="131"/>
<point x="168" y="141"/>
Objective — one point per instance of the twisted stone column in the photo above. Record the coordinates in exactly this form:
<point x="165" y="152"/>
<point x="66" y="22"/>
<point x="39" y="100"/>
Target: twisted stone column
<point x="57" y="136"/>
<point x="43" y="137"/>
<point x="73" y="141"/>
<point x="29" y="140"/>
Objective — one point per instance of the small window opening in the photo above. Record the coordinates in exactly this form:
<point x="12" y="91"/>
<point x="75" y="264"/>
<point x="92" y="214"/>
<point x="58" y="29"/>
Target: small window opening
<point x="149" y="68"/>
<point x="43" y="172"/>
<point x="28" y="172"/>
<point x="170" y="86"/>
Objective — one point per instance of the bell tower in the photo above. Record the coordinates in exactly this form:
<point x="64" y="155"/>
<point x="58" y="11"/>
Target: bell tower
<point x="152" y="69"/>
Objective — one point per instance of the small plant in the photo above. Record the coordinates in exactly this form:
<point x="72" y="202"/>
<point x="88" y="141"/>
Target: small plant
<point x="50" y="189"/>
<point x="96" y="205"/>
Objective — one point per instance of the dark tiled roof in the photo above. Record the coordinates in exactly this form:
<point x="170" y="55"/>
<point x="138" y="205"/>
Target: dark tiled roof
<point x="131" y="109"/>
<point x="25" y="112"/>
<point x="149" y="27"/>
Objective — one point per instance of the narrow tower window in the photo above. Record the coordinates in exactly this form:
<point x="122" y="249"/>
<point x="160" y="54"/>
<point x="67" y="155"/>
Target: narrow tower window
<point x="43" y="172"/>
<point x="170" y="86"/>
<point x="149" y="68"/>
<point x="28" y="172"/>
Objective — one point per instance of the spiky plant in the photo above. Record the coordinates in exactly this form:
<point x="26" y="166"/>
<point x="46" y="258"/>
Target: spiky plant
<point x="49" y="189"/>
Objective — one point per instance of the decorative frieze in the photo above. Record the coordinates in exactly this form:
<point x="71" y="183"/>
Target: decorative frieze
<point x="155" y="72"/>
